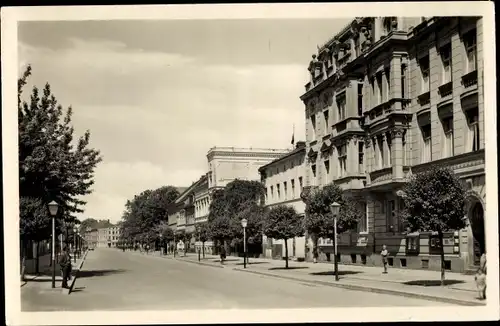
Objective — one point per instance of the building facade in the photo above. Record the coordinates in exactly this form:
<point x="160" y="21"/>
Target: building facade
<point x="225" y="164"/>
<point x="108" y="237"/>
<point x="91" y="237"/>
<point x="389" y="97"/>
<point x="283" y="179"/>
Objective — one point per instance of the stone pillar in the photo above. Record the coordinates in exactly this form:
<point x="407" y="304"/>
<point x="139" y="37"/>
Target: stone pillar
<point x="351" y="94"/>
<point x="368" y="154"/>
<point x="352" y="163"/>
<point x="367" y="105"/>
<point x="396" y="80"/>
<point x="436" y="126"/>
<point x="397" y="153"/>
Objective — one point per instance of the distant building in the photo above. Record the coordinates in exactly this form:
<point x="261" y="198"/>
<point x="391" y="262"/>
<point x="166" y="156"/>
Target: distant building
<point x="91" y="237"/>
<point x="108" y="237"/>
<point x="283" y="179"/>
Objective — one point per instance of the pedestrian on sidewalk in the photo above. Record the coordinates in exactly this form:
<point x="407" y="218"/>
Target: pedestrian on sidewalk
<point x="222" y="254"/>
<point x="384" y="253"/>
<point x="480" y="277"/>
<point x="65" y="264"/>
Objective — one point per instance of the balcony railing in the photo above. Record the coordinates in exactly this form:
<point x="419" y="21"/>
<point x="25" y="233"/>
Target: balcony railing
<point x="424" y="99"/>
<point x="445" y="89"/>
<point x="381" y="175"/>
<point x="469" y="79"/>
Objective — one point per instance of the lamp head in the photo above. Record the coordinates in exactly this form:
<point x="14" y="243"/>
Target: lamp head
<point x="53" y="207"/>
<point x="334" y="208"/>
<point x="244" y="222"/>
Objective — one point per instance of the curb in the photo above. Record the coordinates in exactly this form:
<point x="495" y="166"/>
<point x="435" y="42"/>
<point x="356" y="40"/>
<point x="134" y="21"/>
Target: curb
<point x="371" y="289"/>
<point x="199" y="263"/>
<point x="73" y="281"/>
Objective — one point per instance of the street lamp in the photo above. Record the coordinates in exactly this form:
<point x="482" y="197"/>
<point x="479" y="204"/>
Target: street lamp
<point x="334" y="208"/>
<point x="74" y="240"/>
<point x="244" y="225"/>
<point x="53" y="207"/>
<point x="161" y="244"/>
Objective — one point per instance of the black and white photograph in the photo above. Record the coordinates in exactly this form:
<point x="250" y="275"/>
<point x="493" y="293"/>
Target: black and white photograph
<point x="250" y="163"/>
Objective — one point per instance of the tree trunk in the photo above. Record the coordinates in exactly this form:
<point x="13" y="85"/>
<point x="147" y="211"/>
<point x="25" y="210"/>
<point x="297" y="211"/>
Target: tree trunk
<point x="315" y="248"/>
<point x="23" y="261"/>
<point x="203" y="248"/>
<point x="286" y="254"/>
<point x="37" y="267"/>
<point x="441" y="250"/>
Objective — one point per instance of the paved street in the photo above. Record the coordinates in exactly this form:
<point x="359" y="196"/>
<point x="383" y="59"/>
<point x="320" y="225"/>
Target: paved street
<point x="114" y="280"/>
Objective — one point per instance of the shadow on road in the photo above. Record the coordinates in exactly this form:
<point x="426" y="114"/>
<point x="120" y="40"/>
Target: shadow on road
<point x="433" y="282"/>
<point x="102" y="272"/>
<point x="78" y="289"/>
<point x="331" y="273"/>
<point x="253" y="263"/>
<point x="285" y="269"/>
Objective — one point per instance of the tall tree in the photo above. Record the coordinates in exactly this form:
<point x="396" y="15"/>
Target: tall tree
<point x="435" y="202"/>
<point x="320" y="222"/>
<point x="146" y="211"/>
<point x="227" y="204"/>
<point x="283" y="222"/>
<point x="52" y="164"/>
<point x="202" y="234"/>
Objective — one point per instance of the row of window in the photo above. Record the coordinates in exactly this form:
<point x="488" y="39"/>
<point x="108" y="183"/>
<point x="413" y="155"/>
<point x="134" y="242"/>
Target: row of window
<point x="472" y="137"/>
<point x="445" y="53"/>
<point x="276" y="193"/>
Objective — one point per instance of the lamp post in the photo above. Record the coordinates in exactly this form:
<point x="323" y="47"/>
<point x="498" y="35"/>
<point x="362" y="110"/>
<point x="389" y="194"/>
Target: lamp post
<point x="244" y="225"/>
<point x="74" y="240"/>
<point x="161" y="244"/>
<point x="334" y="208"/>
<point x="53" y="207"/>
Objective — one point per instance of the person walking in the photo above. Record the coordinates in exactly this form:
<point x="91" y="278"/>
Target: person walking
<point x="65" y="265"/>
<point x="480" y="277"/>
<point x="384" y="253"/>
<point x="222" y="254"/>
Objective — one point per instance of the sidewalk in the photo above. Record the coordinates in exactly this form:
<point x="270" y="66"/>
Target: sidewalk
<point x="43" y="281"/>
<point x="459" y="288"/>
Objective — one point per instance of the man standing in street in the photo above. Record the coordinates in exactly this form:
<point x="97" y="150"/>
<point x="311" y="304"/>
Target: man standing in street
<point x="65" y="264"/>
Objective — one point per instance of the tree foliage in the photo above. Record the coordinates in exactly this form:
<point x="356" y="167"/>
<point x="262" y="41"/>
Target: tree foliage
<point x="35" y="223"/>
<point x="145" y="212"/>
<point x="320" y="221"/>
<point x="202" y="232"/>
<point x="283" y="222"/>
<point x="228" y="205"/>
<point x="435" y="202"/>
<point x="52" y="164"/>
<point x="255" y="216"/>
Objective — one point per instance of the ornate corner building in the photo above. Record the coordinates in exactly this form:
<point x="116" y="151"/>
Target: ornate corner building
<point x="392" y="96"/>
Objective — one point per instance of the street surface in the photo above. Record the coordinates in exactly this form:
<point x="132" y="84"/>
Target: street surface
<point x="114" y="280"/>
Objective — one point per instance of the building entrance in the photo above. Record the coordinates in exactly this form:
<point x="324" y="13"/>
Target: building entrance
<point x="476" y="219"/>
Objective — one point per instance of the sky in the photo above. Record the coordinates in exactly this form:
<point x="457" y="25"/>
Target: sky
<point x="157" y="95"/>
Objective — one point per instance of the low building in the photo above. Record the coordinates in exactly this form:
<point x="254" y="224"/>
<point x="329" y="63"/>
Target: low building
<point x="283" y="179"/>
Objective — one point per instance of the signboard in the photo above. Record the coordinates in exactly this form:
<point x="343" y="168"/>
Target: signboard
<point x="362" y="241"/>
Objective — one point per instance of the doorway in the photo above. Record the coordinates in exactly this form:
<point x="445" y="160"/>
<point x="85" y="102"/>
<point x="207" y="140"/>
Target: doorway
<point x="476" y="219"/>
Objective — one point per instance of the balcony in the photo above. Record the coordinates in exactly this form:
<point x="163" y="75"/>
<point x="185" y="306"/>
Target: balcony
<point x="424" y="99"/>
<point x="445" y="89"/>
<point x="470" y="79"/>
